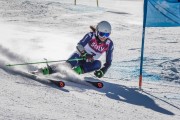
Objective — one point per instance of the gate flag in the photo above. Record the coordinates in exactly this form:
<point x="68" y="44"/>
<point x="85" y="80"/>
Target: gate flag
<point x="158" y="13"/>
<point x="163" y="13"/>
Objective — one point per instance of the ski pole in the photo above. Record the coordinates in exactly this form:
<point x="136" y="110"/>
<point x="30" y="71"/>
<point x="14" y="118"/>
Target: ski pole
<point x="28" y="63"/>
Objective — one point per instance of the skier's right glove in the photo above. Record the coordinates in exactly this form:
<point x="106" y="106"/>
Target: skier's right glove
<point x="87" y="57"/>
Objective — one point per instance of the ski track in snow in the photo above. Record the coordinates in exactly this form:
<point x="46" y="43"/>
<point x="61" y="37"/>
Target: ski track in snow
<point x="32" y="30"/>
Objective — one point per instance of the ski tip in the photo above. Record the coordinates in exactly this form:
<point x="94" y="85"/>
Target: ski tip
<point x="61" y="84"/>
<point x="96" y="84"/>
<point x="100" y="85"/>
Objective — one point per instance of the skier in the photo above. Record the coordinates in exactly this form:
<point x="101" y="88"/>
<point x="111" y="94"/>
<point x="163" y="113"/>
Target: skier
<point x="90" y="48"/>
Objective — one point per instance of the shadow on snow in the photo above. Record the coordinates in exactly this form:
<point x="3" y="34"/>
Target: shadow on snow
<point x="131" y="96"/>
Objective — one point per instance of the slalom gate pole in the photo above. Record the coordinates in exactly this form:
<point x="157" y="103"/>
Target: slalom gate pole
<point x="142" y="45"/>
<point x="28" y="63"/>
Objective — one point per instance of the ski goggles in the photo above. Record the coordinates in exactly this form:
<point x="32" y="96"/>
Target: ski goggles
<point x="102" y="34"/>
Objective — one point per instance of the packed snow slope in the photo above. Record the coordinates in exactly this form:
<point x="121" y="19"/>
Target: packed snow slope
<point x="31" y="30"/>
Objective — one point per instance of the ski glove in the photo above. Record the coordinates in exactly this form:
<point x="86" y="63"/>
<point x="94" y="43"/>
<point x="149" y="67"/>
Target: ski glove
<point x="99" y="73"/>
<point x="87" y="57"/>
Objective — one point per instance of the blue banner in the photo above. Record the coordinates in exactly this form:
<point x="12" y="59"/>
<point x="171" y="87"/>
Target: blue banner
<point x="162" y="13"/>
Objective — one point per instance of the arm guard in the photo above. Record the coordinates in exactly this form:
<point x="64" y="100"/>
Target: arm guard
<point x="80" y="48"/>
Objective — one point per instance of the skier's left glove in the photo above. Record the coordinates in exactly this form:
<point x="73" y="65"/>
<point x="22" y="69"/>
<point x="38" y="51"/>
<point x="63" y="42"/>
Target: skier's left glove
<point x="99" y="73"/>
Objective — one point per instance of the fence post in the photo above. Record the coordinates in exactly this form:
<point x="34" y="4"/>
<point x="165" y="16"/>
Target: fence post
<point x="97" y="3"/>
<point x="74" y="2"/>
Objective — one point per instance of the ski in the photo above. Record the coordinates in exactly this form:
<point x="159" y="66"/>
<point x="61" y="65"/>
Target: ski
<point x="61" y="83"/>
<point x="34" y="75"/>
<point x="96" y="84"/>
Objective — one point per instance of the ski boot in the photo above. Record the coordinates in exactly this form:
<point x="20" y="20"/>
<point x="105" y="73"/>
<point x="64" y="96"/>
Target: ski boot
<point x="78" y="70"/>
<point x="47" y="70"/>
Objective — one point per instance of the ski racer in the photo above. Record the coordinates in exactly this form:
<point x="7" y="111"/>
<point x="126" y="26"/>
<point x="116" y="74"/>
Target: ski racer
<point x="90" y="48"/>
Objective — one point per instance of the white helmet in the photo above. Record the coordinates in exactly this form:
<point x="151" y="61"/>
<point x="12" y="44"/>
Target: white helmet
<point x="104" y="27"/>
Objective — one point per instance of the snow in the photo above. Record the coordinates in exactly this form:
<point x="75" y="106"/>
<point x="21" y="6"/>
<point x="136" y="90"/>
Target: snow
<point x="36" y="29"/>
